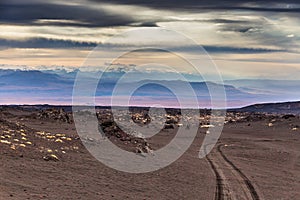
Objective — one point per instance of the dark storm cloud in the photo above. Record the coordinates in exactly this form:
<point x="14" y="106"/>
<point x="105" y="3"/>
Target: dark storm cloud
<point x="80" y="15"/>
<point x="227" y="49"/>
<point x="210" y="4"/>
<point x="62" y="14"/>
<point x="38" y="43"/>
<point x="28" y="12"/>
<point x="224" y="21"/>
<point x="44" y="43"/>
<point x="145" y="24"/>
<point x="242" y="28"/>
<point x="213" y="49"/>
<point x="240" y="50"/>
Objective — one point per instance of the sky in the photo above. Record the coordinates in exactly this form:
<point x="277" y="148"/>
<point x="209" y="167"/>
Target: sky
<point x="245" y="39"/>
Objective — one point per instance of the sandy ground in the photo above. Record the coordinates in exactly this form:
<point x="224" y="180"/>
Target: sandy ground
<point x="252" y="160"/>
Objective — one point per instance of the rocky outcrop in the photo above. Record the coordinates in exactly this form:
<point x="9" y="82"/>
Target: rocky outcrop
<point x="55" y="114"/>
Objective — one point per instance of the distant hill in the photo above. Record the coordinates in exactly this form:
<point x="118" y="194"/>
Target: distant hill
<point x="31" y="78"/>
<point x="56" y="86"/>
<point x="276" y="108"/>
<point x="266" y="86"/>
<point x="33" y="86"/>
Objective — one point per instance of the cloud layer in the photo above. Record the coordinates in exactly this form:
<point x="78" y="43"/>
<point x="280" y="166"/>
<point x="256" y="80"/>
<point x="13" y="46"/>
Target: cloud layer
<point x="235" y="33"/>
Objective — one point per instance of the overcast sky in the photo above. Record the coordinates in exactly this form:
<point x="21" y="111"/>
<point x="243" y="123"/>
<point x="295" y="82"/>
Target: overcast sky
<point x="246" y="39"/>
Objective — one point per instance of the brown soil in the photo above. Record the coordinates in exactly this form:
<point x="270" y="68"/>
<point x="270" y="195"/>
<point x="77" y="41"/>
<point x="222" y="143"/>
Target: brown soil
<point x="252" y="160"/>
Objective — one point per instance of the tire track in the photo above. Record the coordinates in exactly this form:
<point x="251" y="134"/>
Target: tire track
<point x="247" y="181"/>
<point x="222" y="191"/>
<point x="219" y="194"/>
<point x="231" y="182"/>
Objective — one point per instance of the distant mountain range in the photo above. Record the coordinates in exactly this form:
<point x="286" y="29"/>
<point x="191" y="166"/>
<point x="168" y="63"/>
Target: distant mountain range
<point x="266" y="86"/>
<point x="32" y="79"/>
<point x="55" y="87"/>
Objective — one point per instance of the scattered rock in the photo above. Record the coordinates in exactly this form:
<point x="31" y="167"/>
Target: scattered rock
<point x="270" y="124"/>
<point x="207" y="126"/>
<point x="138" y="149"/>
<point x="5" y="142"/>
<point x="51" y="157"/>
<point x="288" y="116"/>
<point x="59" y="140"/>
<point x="169" y="126"/>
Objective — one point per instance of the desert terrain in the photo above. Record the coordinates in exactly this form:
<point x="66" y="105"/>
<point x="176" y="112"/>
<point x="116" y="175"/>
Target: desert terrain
<point x="42" y="157"/>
